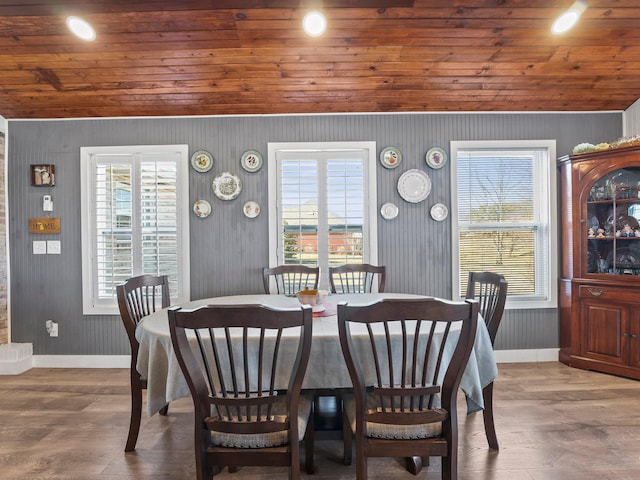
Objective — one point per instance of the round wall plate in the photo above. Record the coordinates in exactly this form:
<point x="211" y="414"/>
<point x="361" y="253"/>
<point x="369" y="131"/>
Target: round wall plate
<point x="202" y="208"/>
<point x="251" y="161"/>
<point x="251" y="209"/>
<point x="390" y="157"/>
<point x="226" y="186"/>
<point x="414" y="185"/>
<point x="389" y="211"/>
<point x="439" y="212"/>
<point x="201" y="161"/>
<point x="436" y="157"/>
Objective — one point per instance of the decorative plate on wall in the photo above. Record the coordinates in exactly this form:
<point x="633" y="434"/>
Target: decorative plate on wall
<point x="436" y="157"/>
<point x="439" y="212"/>
<point x="202" y="208"/>
<point x="201" y="161"/>
<point x="389" y="211"/>
<point x="414" y="185"/>
<point x="251" y="209"/>
<point x="390" y="157"/>
<point x="251" y="161"/>
<point x="226" y="186"/>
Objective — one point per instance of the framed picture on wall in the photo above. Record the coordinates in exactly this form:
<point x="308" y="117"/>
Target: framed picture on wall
<point x="43" y="175"/>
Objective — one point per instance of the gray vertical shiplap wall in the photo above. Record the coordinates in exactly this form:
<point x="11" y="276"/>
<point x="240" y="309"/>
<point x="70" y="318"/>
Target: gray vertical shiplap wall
<point x="228" y="250"/>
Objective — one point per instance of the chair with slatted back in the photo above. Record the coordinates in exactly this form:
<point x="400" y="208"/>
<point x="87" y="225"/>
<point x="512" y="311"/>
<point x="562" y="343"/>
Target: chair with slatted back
<point x="138" y="297"/>
<point x="290" y="279"/>
<point x="405" y="358"/>
<point x="357" y="278"/>
<point x="248" y="406"/>
<point x="490" y="289"/>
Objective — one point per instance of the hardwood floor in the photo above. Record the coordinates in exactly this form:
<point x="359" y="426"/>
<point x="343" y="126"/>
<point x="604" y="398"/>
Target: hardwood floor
<point x="553" y="423"/>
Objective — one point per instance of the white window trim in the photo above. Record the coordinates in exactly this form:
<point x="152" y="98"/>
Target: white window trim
<point x="552" y="209"/>
<point x="88" y="221"/>
<point x="371" y="208"/>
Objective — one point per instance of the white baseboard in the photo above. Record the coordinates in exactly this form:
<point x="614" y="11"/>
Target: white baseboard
<point x="123" y="361"/>
<point x="529" y="355"/>
<point x="81" y="361"/>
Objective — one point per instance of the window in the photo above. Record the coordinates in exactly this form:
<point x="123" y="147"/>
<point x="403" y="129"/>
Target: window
<point x="324" y="196"/>
<point x="135" y="220"/>
<point x="504" y="217"/>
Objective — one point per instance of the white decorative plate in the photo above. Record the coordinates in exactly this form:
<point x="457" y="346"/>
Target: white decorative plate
<point x="439" y="212"/>
<point x="414" y="185"/>
<point x="201" y="161"/>
<point x="226" y="186"/>
<point x="390" y="157"/>
<point x="251" y="209"/>
<point x="251" y="161"/>
<point x="436" y="157"/>
<point x="202" y="208"/>
<point x="389" y="211"/>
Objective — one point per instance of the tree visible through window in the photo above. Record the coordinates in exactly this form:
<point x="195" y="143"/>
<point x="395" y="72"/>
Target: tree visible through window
<point x="504" y="220"/>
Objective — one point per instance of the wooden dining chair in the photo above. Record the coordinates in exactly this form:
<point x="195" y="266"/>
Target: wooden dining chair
<point x="405" y="359"/>
<point x="290" y="279"/>
<point x="490" y="289"/>
<point x="356" y="278"/>
<point x="247" y="398"/>
<point x="138" y="297"/>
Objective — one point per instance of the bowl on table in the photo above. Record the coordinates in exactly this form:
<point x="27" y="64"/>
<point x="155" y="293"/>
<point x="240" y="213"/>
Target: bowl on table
<point x="314" y="298"/>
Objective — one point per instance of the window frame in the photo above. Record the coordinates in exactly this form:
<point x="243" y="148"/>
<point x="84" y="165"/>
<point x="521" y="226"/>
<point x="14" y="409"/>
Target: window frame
<point x="547" y="205"/>
<point x="370" y="245"/>
<point x="91" y="303"/>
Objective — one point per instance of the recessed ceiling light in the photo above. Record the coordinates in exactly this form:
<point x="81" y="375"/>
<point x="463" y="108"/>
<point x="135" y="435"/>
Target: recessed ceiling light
<point x="81" y="29"/>
<point x="314" y="23"/>
<point x="568" y="19"/>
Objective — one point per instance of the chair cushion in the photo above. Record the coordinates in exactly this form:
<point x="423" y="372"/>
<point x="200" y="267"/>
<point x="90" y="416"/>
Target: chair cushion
<point x="383" y="430"/>
<point x="272" y="439"/>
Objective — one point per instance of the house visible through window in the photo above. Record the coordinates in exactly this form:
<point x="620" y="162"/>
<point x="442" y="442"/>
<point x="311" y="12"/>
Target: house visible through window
<point x="134" y="220"/>
<point x="323" y="204"/>
<point x="504" y="217"/>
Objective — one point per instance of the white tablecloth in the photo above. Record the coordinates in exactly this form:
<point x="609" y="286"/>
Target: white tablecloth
<point x="165" y="382"/>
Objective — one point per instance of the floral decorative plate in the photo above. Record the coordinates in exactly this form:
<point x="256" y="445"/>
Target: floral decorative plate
<point x="251" y="209"/>
<point x="226" y="186"/>
<point x="201" y="161"/>
<point x="251" y="161"/>
<point x="202" y="208"/>
<point x="389" y="211"/>
<point x="390" y="157"/>
<point x="436" y="157"/>
<point x="439" y="212"/>
<point x="414" y="185"/>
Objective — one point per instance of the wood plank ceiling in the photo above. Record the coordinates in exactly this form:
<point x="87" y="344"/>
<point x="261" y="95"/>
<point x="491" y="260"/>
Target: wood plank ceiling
<point x="207" y="57"/>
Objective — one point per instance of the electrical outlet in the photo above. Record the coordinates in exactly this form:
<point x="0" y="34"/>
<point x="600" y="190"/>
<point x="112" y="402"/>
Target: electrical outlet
<point x="52" y="328"/>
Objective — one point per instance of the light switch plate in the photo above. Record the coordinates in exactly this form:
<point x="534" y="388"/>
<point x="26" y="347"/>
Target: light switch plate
<point x="53" y="247"/>
<point x="39" y="247"/>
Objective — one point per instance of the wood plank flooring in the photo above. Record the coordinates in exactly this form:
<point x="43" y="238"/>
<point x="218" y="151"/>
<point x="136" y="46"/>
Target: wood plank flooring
<point x="553" y="422"/>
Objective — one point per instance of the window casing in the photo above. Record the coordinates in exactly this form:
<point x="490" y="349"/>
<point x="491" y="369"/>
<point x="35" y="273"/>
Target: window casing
<point x="504" y="205"/>
<point x="322" y="199"/>
<point x="134" y="220"/>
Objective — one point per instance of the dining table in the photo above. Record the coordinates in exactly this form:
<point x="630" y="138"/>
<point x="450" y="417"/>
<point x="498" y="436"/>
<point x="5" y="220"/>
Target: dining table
<point x="327" y="370"/>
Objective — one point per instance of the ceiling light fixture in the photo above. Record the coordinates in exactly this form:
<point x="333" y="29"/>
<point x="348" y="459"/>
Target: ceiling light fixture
<point x="81" y="28"/>
<point x="314" y="23"/>
<point x="568" y="19"/>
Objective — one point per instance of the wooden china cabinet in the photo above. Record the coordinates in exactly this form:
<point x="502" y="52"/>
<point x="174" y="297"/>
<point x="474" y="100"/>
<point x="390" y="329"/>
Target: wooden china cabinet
<point x="600" y="284"/>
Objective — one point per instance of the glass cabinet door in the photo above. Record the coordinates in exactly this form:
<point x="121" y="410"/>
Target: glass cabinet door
<point x="612" y="224"/>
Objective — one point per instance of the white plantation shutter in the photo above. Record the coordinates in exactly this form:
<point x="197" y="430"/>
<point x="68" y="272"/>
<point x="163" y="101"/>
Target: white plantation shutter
<point x="139" y="196"/>
<point x="325" y="197"/>
<point x="503" y="217"/>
